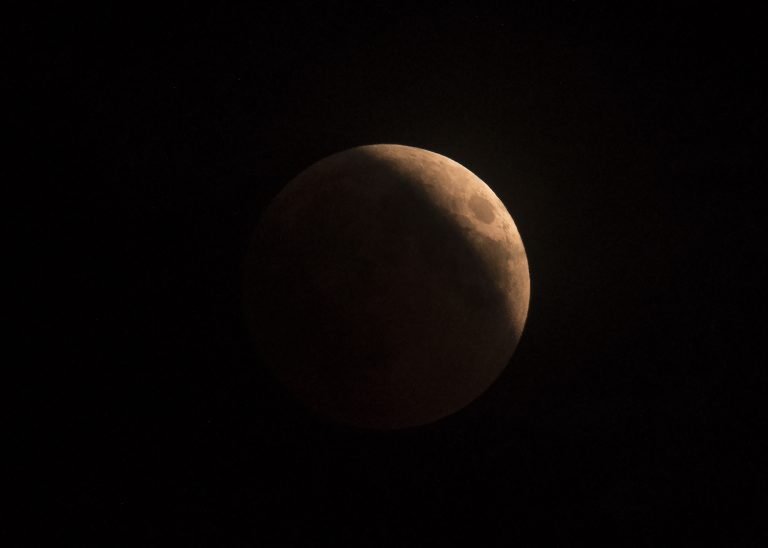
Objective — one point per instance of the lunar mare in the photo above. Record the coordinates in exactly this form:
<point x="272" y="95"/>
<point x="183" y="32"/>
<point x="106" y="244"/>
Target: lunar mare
<point x="386" y="286"/>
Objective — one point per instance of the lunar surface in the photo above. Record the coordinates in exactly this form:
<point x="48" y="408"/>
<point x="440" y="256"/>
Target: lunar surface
<point x="386" y="287"/>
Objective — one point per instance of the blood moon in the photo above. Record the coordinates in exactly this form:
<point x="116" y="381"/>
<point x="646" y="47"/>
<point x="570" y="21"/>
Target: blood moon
<point x="386" y="287"/>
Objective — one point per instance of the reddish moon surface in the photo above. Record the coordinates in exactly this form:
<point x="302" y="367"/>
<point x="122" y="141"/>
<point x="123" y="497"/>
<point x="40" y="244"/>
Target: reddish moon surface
<point x="386" y="287"/>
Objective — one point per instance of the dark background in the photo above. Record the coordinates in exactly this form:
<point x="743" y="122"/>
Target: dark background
<point x="625" y="145"/>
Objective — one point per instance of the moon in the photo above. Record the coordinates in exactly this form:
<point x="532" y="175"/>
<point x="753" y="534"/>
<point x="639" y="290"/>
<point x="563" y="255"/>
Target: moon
<point x="386" y="287"/>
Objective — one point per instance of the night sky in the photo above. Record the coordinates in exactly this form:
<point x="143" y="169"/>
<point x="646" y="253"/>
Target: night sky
<point x="625" y="145"/>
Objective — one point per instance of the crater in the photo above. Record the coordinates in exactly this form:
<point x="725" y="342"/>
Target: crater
<point x="482" y="209"/>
